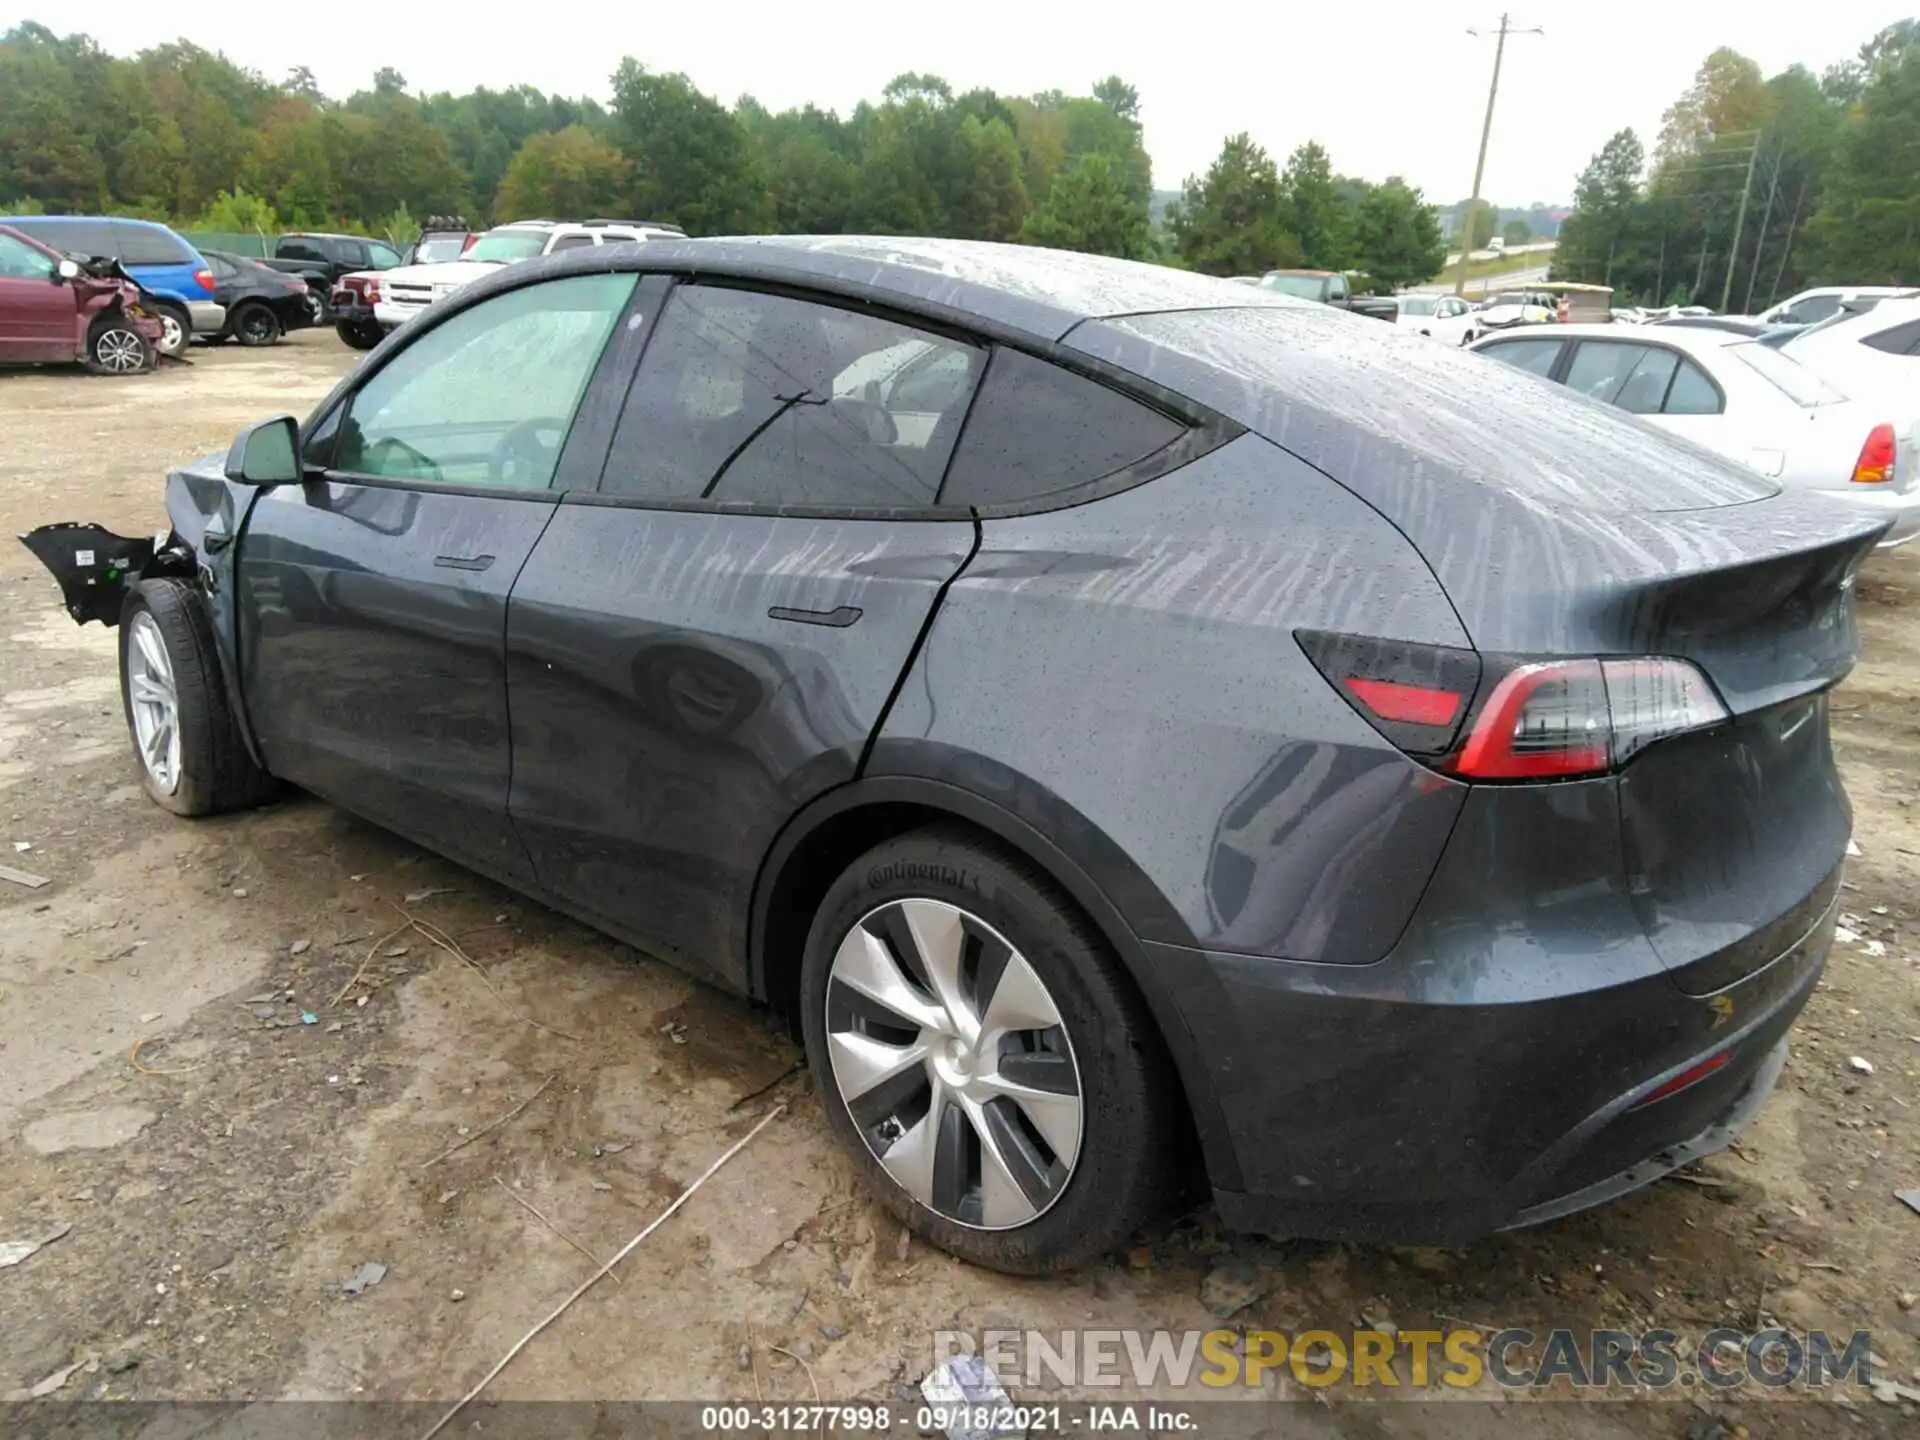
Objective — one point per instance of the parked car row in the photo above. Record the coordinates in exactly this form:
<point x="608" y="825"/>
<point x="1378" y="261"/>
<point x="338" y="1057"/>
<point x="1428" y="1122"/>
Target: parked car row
<point x="1832" y="407"/>
<point x="370" y="305"/>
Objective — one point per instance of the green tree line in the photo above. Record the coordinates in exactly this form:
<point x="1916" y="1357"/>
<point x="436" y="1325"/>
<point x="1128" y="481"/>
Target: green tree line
<point x="1828" y="167"/>
<point x="183" y="134"/>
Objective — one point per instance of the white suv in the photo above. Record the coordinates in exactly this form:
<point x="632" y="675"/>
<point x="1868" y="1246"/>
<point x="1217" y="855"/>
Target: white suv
<point x="409" y="289"/>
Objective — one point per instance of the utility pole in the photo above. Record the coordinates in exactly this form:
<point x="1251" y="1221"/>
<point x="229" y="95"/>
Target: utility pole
<point x="1739" y="223"/>
<point x="1480" y="162"/>
<point x="1766" y="218"/>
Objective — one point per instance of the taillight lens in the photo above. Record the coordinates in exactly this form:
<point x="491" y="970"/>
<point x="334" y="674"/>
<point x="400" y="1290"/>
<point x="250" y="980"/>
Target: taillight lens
<point x="204" y="279"/>
<point x="1875" y="464"/>
<point x="1538" y="720"/>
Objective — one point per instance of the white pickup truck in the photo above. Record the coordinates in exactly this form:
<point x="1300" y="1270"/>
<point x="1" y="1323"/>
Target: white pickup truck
<point x="370" y="304"/>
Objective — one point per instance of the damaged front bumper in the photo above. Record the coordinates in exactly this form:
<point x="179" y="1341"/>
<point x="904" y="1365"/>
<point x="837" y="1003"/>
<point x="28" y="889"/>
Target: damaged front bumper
<point x="95" y="567"/>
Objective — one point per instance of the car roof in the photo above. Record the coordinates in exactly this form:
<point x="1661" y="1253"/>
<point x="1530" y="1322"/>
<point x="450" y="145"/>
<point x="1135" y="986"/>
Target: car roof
<point x="978" y="283"/>
<point x="1692" y="338"/>
<point x="1895" y="310"/>
<point x="89" y="220"/>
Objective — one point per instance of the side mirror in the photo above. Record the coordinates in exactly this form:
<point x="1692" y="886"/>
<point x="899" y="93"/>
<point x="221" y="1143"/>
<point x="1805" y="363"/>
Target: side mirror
<point x="67" y="270"/>
<point x="266" y="454"/>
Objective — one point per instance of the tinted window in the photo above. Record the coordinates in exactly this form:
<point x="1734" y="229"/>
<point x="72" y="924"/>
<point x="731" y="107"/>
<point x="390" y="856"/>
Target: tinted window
<point x="146" y="245"/>
<point x="20" y="261"/>
<point x="222" y="270"/>
<point x="1037" y="429"/>
<point x="1600" y="368"/>
<point x="298" y="247"/>
<point x="1898" y="340"/>
<point x="1646" y="387"/>
<point x="571" y="242"/>
<point x="486" y="398"/>
<point x="80" y="237"/>
<point x="1819" y="307"/>
<point x="765" y="398"/>
<point x="1534" y="356"/>
<point x="1692" y="393"/>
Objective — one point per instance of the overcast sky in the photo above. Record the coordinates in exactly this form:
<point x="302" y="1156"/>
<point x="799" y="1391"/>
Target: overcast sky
<point x="1389" y="87"/>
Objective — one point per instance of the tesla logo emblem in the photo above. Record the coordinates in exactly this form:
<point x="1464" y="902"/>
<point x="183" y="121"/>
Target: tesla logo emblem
<point x="1722" y="1007"/>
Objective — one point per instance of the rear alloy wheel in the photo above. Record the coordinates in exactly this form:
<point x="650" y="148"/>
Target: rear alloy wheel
<point x="116" y="348"/>
<point x="255" y="325"/>
<point x="193" y="759"/>
<point x="983" y="1056"/>
<point x="175" y="329"/>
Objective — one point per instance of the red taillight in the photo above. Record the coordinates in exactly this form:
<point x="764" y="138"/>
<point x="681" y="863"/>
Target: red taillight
<point x="1582" y="717"/>
<point x="1875" y="464"/>
<point x="1410" y="704"/>
<point x="1541" y="720"/>
<point x="204" y="279"/>
<point x="467" y="244"/>
<point x="1691" y="1076"/>
<point x="1524" y="719"/>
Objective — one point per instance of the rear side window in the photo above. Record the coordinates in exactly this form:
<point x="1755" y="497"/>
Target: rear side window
<point x="1897" y="340"/>
<point x="298" y="247"/>
<point x="221" y="269"/>
<point x="1815" y="307"/>
<point x="571" y="242"/>
<point x="80" y="237"/>
<point x="1037" y="430"/>
<point x="772" y="400"/>
<point x="1536" y="357"/>
<point x="144" y="245"/>
<point x="1692" y="393"/>
<point x="1600" y="369"/>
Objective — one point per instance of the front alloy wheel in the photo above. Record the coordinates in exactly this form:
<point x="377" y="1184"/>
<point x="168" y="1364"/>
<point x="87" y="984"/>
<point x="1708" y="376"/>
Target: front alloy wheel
<point x="174" y="331"/>
<point x="153" y="703"/>
<point x="954" y="1063"/>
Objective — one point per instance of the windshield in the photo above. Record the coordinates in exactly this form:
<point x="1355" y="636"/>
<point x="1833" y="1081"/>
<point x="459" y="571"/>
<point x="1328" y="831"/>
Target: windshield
<point x="1793" y="380"/>
<point x="437" y="249"/>
<point x="1418" y="304"/>
<point x="1306" y="287"/>
<point x="502" y="247"/>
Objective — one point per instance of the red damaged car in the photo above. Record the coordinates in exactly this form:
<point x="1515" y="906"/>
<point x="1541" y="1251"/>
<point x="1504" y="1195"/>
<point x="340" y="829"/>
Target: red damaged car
<point x="53" y="310"/>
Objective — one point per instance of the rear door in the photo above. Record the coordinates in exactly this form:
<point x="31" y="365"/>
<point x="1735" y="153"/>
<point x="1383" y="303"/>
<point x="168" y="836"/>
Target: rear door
<point x="372" y="610"/>
<point x="709" y="641"/>
<point x="37" y="312"/>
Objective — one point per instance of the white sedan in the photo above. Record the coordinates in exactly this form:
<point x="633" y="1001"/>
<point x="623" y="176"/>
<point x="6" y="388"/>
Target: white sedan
<point x="1444" y="317"/>
<point x="1744" y="400"/>
<point x="1876" y="352"/>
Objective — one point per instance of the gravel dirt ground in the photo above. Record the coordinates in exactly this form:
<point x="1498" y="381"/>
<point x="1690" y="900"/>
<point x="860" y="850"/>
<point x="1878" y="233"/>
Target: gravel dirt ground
<point x="225" y="1167"/>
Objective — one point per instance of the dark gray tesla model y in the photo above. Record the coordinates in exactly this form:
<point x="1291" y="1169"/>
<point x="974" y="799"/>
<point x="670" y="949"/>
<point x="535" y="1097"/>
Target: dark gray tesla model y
<point x="1137" y="726"/>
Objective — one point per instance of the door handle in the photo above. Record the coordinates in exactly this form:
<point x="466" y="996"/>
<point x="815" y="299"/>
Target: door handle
<point x="463" y="562"/>
<point x="839" y="618"/>
<point x="215" y="538"/>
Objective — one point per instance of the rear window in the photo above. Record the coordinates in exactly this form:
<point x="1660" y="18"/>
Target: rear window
<point x="1786" y="375"/>
<point x="147" y="245"/>
<point x="1376" y="407"/>
<point x="1898" y="340"/>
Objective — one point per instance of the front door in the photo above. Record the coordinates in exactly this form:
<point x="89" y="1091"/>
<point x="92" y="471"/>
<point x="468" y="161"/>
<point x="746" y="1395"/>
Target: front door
<point x="373" y="597"/>
<point x="37" y="311"/>
<point x="710" y="642"/>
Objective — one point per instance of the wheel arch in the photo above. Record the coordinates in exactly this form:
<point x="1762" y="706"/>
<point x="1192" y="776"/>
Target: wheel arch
<point x="836" y="828"/>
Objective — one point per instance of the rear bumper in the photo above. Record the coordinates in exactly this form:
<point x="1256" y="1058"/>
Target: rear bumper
<point x="209" y="317"/>
<point x="1900" y="508"/>
<point x="1454" y="1122"/>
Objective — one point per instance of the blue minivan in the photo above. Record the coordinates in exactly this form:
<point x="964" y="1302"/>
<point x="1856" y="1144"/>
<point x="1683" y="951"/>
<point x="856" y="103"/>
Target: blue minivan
<point x="165" y="265"/>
